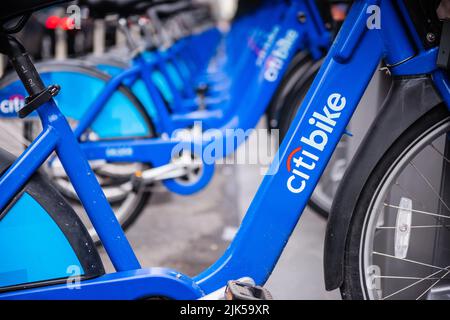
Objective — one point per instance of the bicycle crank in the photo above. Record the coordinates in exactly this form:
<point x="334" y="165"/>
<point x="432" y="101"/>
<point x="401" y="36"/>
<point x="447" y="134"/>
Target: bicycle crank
<point x="186" y="174"/>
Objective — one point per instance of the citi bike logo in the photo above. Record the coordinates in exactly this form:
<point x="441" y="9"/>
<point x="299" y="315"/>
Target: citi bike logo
<point x="302" y="161"/>
<point x="276" y="61"/>
<point x="264" y="50"/>
<point x="12" y="105"/>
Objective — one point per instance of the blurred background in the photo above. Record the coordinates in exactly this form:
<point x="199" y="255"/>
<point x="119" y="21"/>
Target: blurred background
<point x="48" y="33"/>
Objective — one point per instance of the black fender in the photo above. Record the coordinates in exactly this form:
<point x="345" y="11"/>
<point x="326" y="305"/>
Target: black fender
<point x="408" y="99"/>
<point x="301" y="82"/>
<point x="297" y="68"/>
<point x="88" y="68"/>
<point x="40" y="188"/>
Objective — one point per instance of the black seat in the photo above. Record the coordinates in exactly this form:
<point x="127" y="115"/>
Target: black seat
<point x="16" y="8"/>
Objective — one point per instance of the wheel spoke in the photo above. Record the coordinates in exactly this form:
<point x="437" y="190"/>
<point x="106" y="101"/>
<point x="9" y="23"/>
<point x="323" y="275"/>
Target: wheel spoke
<point x="412" y="276"/>
<point x="417" y="211"/>
<point x="408" y="260"/>
<point x="412" y="284"/>
<point x="420" y="280"/>
<point x="433" y="285"/>
<point x="440" y="153"/>
<point x="403" y="278"/>
<point x="410" y="195"/>
<point x="429" y="185"/>
<point x="419" y="227"/>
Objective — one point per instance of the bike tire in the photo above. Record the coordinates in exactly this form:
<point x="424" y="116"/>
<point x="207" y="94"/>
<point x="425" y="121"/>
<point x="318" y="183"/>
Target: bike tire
<point x="81" y="67"/>
<point x="352" y="287"/>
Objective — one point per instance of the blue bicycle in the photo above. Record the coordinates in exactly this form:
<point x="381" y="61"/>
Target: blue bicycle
<point x="387" y="236"/>
<point x="124" y="118"/>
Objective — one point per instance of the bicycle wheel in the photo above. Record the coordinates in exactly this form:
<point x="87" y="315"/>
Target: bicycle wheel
<point x="115" y="179"/>
<point x="397" y="244"/>
<point x="42" y="237"/>
<point x="322" y="197"/>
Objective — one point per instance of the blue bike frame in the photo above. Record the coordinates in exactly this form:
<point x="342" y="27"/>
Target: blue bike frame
<point x="242" y="112"/>
<point x="277" y="207"/>
<point x="246" y="107"/>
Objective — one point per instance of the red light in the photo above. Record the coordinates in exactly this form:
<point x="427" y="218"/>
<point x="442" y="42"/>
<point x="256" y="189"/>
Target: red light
<point x="52" y="22"/>
<point x="67" y="23"/>
<point x="339" y="12"/>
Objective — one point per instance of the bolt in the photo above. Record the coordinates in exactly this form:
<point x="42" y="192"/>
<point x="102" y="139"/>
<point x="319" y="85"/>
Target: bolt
<point x="404" y="228"/>
<point x="301" y="16"/>
<point x="386" y="70"/>
<point x="431" y="37"/>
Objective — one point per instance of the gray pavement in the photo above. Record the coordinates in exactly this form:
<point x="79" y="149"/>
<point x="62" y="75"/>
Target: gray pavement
<point x="299" y="272"/>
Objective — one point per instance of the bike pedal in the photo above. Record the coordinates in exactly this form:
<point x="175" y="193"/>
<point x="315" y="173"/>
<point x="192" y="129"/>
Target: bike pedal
<point x="243" y="291"/>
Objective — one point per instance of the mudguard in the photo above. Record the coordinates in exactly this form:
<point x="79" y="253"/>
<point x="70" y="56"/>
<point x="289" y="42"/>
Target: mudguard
<point x="294" y="74"/>
<point x="123" y="116"/>
<point x="407" y="101"/>
<point x="114" y="66"/>
<point x="42" y="240"/>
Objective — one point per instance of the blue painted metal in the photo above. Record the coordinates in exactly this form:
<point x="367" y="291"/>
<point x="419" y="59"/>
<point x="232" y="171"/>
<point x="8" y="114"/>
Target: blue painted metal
<point x="162" y="152"/>
<point x="423" y="63"/>
<point x="276" y="40"/>
<point x="104" y="96"/>
<point x="118" y="117"/>
<point x="125" y="285"/>
<point x="57" y="135"/>
<point x="273" y="214"/>
<point x="93" y="199"/>
<point x="23" y="168"/>
<point x="280" y="42"/>
<point x="282" y="197"/>
<point x="312" y="35"/>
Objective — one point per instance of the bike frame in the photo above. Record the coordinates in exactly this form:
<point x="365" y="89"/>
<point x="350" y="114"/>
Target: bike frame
<point x="243" y="112"/>
<point x="280" y="200"/>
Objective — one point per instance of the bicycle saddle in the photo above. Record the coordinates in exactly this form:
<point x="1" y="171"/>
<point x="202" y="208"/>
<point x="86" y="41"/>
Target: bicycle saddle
<point x="10" y="10"/>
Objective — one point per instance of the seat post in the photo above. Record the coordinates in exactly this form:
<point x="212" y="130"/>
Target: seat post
<point x="30" y="78"/>
<point x="21" y="61"/>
